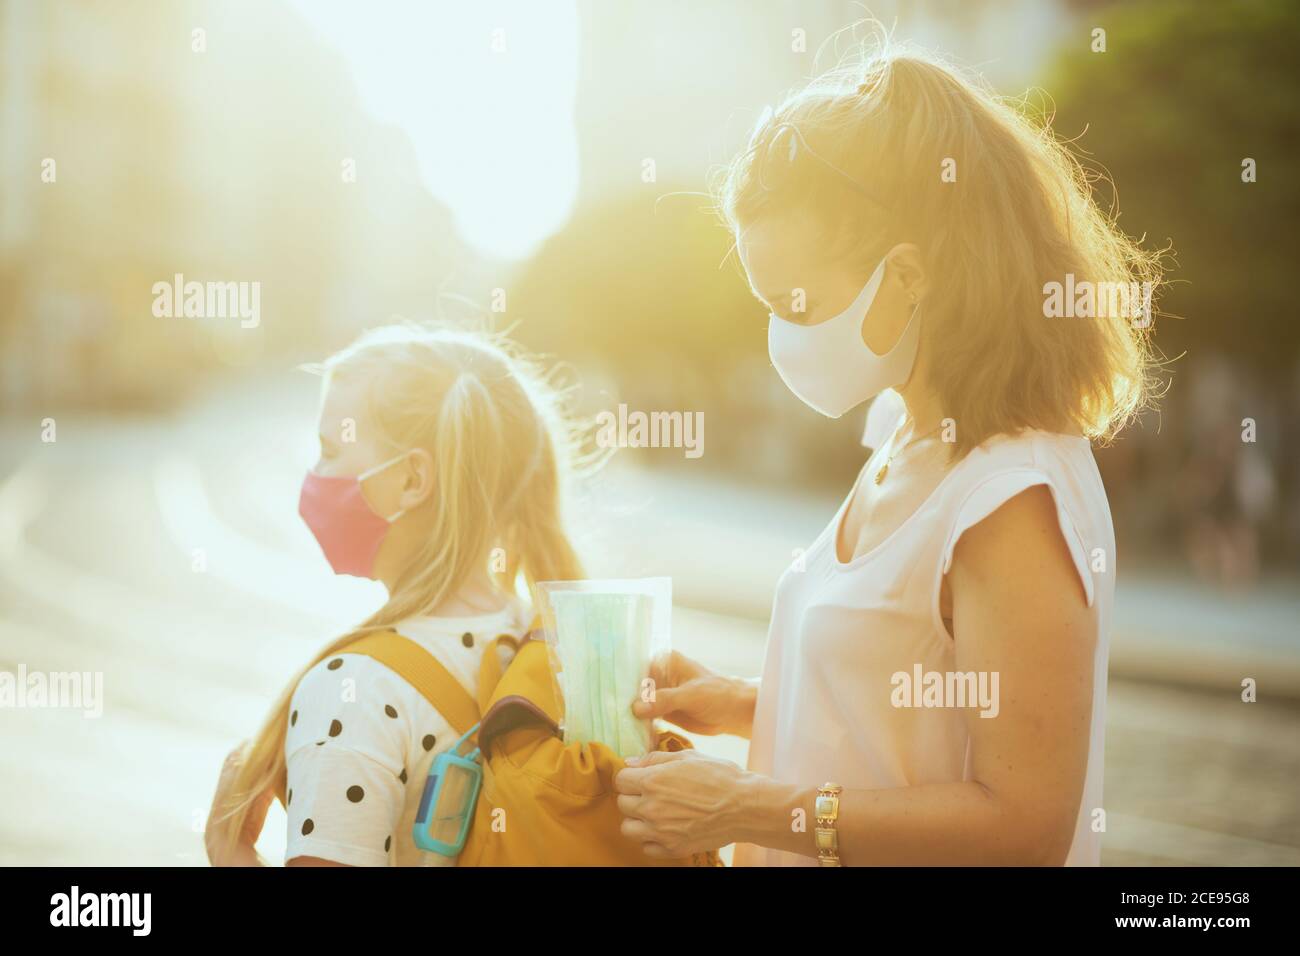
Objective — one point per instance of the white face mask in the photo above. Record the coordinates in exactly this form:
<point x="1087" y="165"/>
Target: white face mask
<point x="828" y="365"/>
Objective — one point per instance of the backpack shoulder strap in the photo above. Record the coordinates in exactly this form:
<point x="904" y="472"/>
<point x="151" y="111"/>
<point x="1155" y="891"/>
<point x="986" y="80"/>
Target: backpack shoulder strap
<point x="490" y="670"/>
<point x="424" y="672"/>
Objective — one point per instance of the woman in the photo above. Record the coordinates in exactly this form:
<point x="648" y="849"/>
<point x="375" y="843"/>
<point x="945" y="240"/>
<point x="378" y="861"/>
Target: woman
<point x="903" y="226"/>
<point x="440" y="470"/>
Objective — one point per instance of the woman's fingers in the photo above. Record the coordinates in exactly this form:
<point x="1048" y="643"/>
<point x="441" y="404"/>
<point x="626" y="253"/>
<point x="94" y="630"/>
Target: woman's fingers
<point x="704" y="705"/>
<point x="643" y="833"/>
<point x="673" y="668"/>
<point x="631" y="779"/>
<point x="635" y="829"/>
<point x="683" y="692"/>
<point x="661" y="669"/>
<point x="664" y="701"/>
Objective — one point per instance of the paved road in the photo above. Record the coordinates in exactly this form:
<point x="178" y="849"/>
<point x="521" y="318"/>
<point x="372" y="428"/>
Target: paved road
<point x="167" y="554"/>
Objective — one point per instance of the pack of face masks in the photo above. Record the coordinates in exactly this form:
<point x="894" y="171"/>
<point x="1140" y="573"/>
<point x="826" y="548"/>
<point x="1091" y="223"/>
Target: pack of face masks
<point x="603" y="636"/>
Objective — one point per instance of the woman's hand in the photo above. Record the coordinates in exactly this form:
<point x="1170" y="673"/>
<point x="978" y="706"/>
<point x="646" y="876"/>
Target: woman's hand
<point x="681" y="803"/>
<point x="699" y="701"/>
<point x="214" y="833"/>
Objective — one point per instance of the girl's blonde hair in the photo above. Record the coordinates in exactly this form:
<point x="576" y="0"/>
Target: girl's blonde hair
<point x="500" y="444"/>
<point x="865" y="147"/>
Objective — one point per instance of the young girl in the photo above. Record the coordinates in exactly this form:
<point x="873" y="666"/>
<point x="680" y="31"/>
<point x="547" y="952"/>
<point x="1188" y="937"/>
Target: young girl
<point x="935" y="682"/>
<point x="439" y="476"/>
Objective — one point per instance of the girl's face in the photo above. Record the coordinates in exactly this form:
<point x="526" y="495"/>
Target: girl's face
<point x="350" y="444"/>
<point x="782" y="256"/>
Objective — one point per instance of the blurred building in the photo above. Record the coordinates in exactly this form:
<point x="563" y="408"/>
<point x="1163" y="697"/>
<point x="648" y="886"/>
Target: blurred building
<point x="219" y="156"/>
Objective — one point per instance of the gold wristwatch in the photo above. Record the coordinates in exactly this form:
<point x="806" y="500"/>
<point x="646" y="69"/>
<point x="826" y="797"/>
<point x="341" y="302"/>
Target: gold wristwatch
<point x="827" y="810"/>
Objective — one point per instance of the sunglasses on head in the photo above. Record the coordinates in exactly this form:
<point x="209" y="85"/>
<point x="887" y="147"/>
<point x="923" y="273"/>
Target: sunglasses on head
<point x="785" y="142"/>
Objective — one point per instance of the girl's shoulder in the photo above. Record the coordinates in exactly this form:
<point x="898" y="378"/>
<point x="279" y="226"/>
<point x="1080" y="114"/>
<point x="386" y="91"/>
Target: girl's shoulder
<point x="352" y="701"/>
<point x="440" y="633"/>
<point x="339" y="674"/>
<point x="380" y="701"/>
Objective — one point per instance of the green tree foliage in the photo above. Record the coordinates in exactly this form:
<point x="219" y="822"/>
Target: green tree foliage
<point x="639" y="276"/>
<point x="1182" y="95"/>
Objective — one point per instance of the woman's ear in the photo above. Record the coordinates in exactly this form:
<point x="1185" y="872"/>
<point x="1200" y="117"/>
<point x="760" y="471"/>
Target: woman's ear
<point x="908" y="271"/>
<point x="417" y="479"/>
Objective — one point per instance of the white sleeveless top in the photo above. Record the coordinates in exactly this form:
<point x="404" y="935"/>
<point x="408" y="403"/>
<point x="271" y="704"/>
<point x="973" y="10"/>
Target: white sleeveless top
<point x="839" y="632"/>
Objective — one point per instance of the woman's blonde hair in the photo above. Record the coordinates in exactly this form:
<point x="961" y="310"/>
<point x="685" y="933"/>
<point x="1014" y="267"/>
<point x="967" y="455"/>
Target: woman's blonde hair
<point x="870" y="149"/>
<point x="500" y="444"/>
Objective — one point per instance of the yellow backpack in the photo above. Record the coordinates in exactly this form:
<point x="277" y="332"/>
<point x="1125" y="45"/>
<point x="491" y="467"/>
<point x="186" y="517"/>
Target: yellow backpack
<point x="558" y="801"/>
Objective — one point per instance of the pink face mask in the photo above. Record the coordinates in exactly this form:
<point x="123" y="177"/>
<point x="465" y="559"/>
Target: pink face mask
<point x="347" y="530"/>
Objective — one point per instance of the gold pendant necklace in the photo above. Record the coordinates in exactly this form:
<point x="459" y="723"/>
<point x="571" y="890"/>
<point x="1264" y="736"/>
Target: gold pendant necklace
<point x="884" y="469"/>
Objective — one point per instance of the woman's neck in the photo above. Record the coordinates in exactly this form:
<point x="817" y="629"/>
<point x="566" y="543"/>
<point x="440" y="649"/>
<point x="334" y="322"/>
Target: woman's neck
<point x="924" y="413"/>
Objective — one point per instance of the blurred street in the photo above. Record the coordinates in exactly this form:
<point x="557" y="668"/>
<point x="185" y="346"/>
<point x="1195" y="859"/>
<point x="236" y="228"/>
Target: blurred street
<point x="167" y="553"/>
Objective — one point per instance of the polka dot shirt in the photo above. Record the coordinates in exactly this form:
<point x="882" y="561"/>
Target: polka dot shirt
<point x="361" y="740"/>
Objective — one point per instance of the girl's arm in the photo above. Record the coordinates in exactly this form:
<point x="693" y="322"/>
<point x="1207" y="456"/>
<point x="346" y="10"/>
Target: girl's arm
<point x="347" y="755"/>
<point x="1019" y="610"/>
<point x="312" y="861"/>
<point x="214" y="832"/>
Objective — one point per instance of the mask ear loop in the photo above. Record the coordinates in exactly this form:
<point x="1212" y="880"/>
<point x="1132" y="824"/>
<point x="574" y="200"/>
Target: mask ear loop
<point x="916" y="307"/>
<point x="370" y="472"/>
